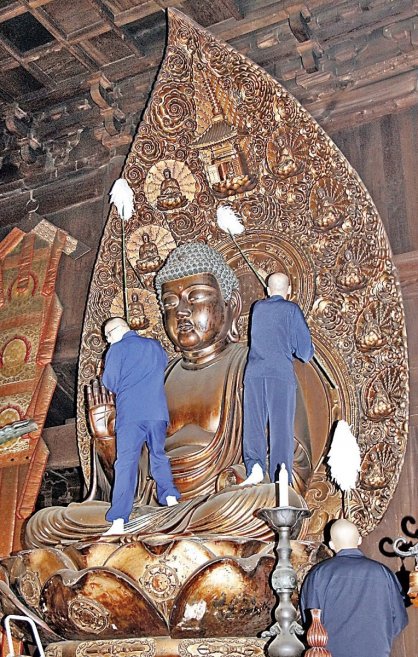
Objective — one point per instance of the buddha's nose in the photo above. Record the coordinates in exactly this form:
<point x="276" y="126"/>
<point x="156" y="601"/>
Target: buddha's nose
<point x="183" y="309"/>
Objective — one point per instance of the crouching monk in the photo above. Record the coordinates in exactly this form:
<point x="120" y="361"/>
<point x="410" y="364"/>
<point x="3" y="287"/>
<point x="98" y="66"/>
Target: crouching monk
<point x="134" y="373"/>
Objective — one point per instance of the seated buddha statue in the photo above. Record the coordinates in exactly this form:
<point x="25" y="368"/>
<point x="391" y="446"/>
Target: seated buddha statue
<point x="285" y="163"/>
<point x="199" y="295"/>
<point x="138" y="320"/>
<point x="350" y="276"/>
<point x="326" y="215"/>
<point x="148" y="257"/>
<point x="170" y="196"/>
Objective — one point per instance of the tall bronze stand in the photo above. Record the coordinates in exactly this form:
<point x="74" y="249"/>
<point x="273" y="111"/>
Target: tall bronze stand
<point x="285" y="642"/>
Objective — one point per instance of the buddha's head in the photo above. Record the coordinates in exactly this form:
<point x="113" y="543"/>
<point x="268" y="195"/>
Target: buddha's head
<point x="199" y="295"/>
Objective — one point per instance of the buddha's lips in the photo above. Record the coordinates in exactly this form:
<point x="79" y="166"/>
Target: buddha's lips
<point x="185" y="326"/>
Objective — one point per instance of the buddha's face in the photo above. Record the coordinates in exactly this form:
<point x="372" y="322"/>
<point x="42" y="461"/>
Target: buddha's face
<point x="196" y="317"/>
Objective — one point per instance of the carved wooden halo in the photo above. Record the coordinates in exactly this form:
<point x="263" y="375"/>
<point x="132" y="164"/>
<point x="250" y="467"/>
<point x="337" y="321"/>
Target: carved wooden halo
<point x="284" y="224"/>
<point x="269" y="251"/>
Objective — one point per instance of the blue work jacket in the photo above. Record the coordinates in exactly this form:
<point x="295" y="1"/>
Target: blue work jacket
<point x="361" y="602"/>
<point x="134" y="372"/>
<point x="278" y="334"/>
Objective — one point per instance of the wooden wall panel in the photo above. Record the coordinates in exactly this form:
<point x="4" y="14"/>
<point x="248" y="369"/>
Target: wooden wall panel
<point x="376" y="544"/>
<point x="385" y="154"/>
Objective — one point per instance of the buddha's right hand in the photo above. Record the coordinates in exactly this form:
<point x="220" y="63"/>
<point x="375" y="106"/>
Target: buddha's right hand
<point x="101" y="410"/>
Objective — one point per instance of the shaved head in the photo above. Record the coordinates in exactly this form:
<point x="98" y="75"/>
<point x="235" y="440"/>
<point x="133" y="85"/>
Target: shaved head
<point x="115" y="328"/>
<point x="115" y="321"/>
<point x="344" y="535"/>
<point x="278" y="283"/>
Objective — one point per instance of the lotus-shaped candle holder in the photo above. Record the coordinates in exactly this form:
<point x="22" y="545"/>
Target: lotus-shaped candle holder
<point x="285" y="642"/>
<point x="282" y="516"/>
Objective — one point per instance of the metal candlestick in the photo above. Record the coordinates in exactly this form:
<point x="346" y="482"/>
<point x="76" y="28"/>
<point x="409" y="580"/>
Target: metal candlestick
<point x="409" y="551"/>
<point x="285" y="642"/>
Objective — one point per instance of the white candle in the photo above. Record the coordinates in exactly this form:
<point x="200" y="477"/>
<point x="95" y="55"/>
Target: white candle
<point x="283" y="486"/>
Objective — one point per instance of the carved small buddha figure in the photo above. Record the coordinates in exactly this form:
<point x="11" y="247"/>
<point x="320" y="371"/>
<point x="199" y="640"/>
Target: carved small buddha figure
<point x="170" y="196"/>
<point x="382" y="405"/>
<point x="376" y="475"/>
<point x="286" y="165"/>
<point x="350" y="277"/>
<point x="371" y="334"/>
<point x="326" y="214"/>
<point x="148" y="257"/>
<point x="138" y="320"/>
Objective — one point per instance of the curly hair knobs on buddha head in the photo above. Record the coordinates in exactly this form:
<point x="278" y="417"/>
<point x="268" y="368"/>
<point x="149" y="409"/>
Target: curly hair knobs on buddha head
<point x="197" y="258"/>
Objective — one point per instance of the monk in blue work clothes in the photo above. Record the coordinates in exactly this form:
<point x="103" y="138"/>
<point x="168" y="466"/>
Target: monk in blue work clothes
<point x="134" y="372"/>
<point x="361" y="601"/>
<point x="279" y="333"/>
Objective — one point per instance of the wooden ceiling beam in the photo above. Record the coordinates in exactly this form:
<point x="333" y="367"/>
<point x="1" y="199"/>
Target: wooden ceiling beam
<point x="353" y="107"/>
<point x="253" y="21"/>
<point x="30" y="67"/>
<point x="233" y="7"/>
<point x="11" y="11"/>
<point x="108" y="17"/>
<point x="60" y="36"/>
<point x="142" y="11"/>
<point x="371" y="25"/>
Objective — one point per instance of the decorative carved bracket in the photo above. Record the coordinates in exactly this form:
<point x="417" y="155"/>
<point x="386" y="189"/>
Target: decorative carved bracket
<point x="17" y="121"/>
<point x="308" y="48"/>
<point x="310" y="53"/>
<point x="103" y="95"/>
<point x="298" y="18"/>
<point x="20" y="124"/>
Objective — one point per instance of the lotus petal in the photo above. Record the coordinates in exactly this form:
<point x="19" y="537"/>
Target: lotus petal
<point x="223" y="598"/>
<point x="99" y="603"/>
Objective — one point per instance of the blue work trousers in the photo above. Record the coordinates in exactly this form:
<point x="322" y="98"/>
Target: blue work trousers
<point x="272" y="402"/>
<point x="130" y="439"/>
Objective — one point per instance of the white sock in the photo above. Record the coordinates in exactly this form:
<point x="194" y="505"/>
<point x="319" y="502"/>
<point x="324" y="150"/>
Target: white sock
<point x="256" y="476"/>
<point x="117" y="527"/>
<point x="171" y="500"/>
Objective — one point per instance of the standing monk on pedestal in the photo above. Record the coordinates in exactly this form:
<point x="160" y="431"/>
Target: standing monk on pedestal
<point x="134" y="372"/>
<point x="278" y="334"/>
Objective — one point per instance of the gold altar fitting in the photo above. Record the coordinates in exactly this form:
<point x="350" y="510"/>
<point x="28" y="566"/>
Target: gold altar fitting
<point x="160" y="647"/>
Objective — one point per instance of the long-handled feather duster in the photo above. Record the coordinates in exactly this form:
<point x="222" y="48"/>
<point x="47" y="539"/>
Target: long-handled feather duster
<point x="230" y="223"/>
<point x="344" y="459"/>
<point x="122" y="196"/>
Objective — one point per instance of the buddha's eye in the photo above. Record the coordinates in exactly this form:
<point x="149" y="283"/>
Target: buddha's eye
<point x="170" y="301"/>
<point x="197" y="296"/>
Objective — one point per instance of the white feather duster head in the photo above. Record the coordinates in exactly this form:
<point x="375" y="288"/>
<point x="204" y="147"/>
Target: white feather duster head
<point x="228" y="220"/>
<point x="344" y="457"/>
<point x="122" y="196"/>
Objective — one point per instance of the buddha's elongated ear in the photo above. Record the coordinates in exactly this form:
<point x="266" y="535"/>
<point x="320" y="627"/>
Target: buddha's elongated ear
<point x="235" y="308"/>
